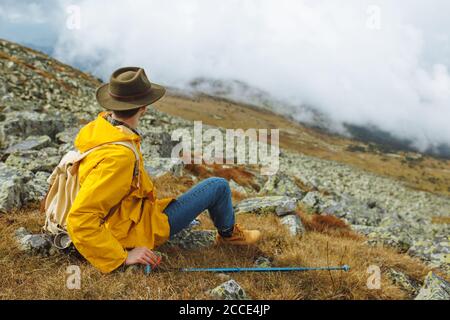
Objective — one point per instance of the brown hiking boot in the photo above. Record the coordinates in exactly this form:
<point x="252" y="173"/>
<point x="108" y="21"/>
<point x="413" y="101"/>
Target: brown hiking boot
<point x="240" y="237"/>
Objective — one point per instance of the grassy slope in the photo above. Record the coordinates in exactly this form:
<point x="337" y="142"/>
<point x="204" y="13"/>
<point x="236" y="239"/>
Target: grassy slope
<point x="23" y="276"/>
<point x="330" y="243"/>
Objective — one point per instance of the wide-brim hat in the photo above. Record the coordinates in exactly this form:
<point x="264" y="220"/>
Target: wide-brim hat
<point x="128" y="88"/>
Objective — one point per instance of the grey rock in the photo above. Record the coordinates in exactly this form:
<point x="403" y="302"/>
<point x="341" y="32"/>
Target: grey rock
<point x="11" y="188"/>
<point x="435" y="251"/>
<point x="157" y="167"/>
<point x="68" y="135"/>
<point x="311" y="201"/>
<point x="229" y="290"/>
<point x="36" y="244"/>
<point x="33" y="161"/>
<point x="28" y="123"/>
<point x="405" y="282"/>
<point x="434" y="288"/>
<point x="30" y="143"/>
<point x="280" y="205"/>
<point x="36" y="188"/>
<point x="293" y="224"/>
<point x="190" y="239"/>
<point x="21" y="232"/>
<point x="262" y="262"/>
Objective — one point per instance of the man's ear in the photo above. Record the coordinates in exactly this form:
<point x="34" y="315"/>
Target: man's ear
<point x="144" y="109"/>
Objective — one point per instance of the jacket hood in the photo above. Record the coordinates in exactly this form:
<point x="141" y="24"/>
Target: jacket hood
<point x="100" y="131"/>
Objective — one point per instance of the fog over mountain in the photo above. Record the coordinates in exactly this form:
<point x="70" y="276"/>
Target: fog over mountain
<point x="382" y="64"/>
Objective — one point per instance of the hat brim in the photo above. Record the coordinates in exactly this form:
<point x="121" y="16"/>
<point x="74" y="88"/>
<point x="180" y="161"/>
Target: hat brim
<point x="108" y="102"/>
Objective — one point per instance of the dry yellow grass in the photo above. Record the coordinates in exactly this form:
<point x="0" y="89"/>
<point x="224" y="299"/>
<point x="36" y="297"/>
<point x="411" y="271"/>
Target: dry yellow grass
<point x="325" y="243"/>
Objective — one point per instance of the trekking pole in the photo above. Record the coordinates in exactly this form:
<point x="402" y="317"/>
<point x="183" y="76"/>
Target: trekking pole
<point x="345" y="268"/>
<point x="274" y="269"/>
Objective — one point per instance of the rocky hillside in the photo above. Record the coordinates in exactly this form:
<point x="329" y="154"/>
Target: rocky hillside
<point x="43" y="104"/>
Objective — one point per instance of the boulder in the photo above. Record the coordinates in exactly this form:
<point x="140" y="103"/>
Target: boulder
<point x="405" y="282"/>
<point x="293" y="224"/>
<point x="36" y="244"/>
<point x="29" y="123"/>
<point x="33" y="161"/>
<point x="311" y="201"/>
<point x="157" y="167"/>
<point x="280" y="205"/>
<point x="36" y="188"/>
<point x="434" y="288"/>
<point x="436" y="251"/>
<point x="68" y="135"/>
<point x="11" y="188"/>
<point x="190" y="239"/>
<point x="30" y="143"/>
<point x="229" y="290"/>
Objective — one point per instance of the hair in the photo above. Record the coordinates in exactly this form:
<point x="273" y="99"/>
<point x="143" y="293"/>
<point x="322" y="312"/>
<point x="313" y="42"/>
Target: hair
<point x="126" y="114"/>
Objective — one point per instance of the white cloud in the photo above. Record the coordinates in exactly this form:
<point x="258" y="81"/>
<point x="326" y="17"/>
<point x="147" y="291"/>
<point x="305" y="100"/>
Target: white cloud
<point x="315" y="52"/>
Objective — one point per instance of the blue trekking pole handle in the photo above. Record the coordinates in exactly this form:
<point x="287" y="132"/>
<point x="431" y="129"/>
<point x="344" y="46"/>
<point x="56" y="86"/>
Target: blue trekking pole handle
<point x="274" y="269"/>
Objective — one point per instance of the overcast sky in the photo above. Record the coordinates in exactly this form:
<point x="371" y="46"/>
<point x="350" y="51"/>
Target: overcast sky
<point x="380" y="62"/>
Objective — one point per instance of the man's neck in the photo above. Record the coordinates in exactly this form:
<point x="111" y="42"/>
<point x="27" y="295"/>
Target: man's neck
<point x="131" y="122"/>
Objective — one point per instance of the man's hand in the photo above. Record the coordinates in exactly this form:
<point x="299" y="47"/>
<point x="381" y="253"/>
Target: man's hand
<point x="142" y="255"/>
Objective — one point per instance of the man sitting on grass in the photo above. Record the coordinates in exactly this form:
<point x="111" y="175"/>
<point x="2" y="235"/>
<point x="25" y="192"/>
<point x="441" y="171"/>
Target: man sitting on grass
<point x="116" y="218"/>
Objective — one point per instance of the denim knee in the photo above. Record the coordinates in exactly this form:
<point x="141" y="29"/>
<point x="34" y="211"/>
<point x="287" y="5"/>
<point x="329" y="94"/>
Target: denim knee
<point x="222" y="185"/>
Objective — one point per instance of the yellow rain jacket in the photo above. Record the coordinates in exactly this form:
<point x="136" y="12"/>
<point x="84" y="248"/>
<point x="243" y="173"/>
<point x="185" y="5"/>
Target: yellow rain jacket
<point x="106" y="177"/>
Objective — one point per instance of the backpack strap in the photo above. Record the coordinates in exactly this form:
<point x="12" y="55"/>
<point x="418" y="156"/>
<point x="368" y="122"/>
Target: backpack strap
<point x="129" y="144"/>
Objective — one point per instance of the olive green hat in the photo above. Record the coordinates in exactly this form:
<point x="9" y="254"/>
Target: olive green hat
<point x="128" y="88"/>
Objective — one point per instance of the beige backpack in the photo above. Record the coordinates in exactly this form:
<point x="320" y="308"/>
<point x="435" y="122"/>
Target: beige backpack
<point x="64" y="186"/>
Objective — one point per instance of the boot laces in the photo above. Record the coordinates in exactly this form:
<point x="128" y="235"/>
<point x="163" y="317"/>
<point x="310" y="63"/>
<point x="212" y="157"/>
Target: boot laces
<point x="238" y="232"/>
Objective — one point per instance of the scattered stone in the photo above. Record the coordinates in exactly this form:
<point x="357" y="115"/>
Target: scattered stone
<point x="293" y="224"/>
<point x="193" y="239"/>
<point x="262" y="262"/>
<point x="229" y="290"/>
<point x="435" y="251"/>
<point x="27" y="123"/>
<point x="381" y="236"/>
<point x="157" y="167"/>
<point x="36" y="244"/>
<point x="33" y="161"/>
<point x="11" y="188"/>
<point x="281" y="184"/>
<point x="280" y="205"/>
<point x="404" y="281"/>
<point x="21" y="232"/>
<point x="68" y="135"/>
<point x="434" y="288"/>
<point x="311" y="201"/>
<point x="36" y="188"/>
<point x="30" y="143"/>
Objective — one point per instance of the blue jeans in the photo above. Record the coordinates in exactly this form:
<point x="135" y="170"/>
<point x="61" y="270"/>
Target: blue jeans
<point x="212" y="194"/>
